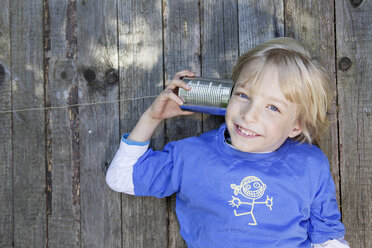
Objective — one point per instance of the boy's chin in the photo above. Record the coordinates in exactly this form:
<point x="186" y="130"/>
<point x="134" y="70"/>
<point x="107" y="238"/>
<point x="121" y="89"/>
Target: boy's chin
<point x="253" y="147"/>
<point x="248" y="148"/>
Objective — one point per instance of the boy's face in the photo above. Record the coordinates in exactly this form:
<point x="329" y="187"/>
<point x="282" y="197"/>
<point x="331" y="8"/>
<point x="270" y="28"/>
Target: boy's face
<point x="260" y="120"/>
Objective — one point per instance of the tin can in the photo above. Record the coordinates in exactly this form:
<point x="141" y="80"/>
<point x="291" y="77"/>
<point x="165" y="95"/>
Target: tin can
<point x="207" y="95"/>
<point x="207" y="92"/>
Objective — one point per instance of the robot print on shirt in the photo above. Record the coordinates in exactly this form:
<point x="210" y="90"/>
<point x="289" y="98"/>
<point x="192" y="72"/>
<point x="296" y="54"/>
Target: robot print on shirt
<point x="252" y="189"/>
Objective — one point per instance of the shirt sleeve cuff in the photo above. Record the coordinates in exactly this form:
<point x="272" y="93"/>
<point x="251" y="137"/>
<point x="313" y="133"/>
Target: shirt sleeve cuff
<point x="333" y="243"/>
<point x="125" y="139"/>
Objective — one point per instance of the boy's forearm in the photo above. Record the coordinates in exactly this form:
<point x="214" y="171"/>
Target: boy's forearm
<point x="144" y="128"/>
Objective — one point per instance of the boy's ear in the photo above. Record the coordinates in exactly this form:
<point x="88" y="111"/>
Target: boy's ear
<point x="295" y="131"/>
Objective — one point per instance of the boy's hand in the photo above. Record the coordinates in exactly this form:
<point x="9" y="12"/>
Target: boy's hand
<point x="166" y="105"/>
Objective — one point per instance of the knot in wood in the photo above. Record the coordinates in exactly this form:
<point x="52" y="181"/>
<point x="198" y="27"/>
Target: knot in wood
<point x="90" y="75"/>
<point x="344" y="64"/>
<point x="111" y="76"/>
<point x="355" y="3"/>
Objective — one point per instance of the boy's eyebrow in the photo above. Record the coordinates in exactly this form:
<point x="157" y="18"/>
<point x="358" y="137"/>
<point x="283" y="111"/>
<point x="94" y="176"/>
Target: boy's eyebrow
<point x="241" y="87"/>
<point x="274" y="99"/>
<point x="271" y="98"/>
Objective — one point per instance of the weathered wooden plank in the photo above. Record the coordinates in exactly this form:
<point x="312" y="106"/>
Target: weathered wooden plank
<point x="63" y="194"/>
<point x="99" y="123"/>
<point x="28" y="126"/>
<point x="220" y="45"/>
<point x="6" y="175"/>
<point x="181" y="52"/>
<point x="63" y="165"/>
<point x="144" y="219"/>
<point x="354" y="62"/>
<point x="259" y="21"/>
<point x="312" y="22"/>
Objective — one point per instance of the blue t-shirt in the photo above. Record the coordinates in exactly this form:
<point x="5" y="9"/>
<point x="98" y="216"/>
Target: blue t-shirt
<point x="228" y="198"/>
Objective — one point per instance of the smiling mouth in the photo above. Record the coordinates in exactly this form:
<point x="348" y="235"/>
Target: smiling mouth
<point x="246" y="132"/>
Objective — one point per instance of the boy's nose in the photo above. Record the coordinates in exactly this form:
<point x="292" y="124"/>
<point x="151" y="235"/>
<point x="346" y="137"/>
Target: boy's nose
<point x="250" y="113"/>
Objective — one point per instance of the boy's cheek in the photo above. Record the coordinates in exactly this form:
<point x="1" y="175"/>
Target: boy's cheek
<point x="228" y="113"/>
<point x="231" y="109"/>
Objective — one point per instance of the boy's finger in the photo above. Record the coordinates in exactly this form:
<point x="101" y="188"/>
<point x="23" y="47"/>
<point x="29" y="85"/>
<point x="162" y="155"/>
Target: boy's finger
<point x="184" y="112"/>
<point x="174" y="97"/>
<point x="185" y="73"/>
<point x="178" y="83"/>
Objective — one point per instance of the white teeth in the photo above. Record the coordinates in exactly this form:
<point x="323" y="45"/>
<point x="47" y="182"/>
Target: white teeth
<point x="246" y="132"/>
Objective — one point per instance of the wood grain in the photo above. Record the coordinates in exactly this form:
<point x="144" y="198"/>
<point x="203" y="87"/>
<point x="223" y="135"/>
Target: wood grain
<point x="60" y="53"/>
<point x="63" y="202"/>
<point x="144" y="219"/>
<point x="312" y="23"/>
<point x="220" y="45"/>
<point x="97" y="65"/>
<point x="28" y="132"/>
<point x="354" y="60"/>
<point x="259" y="21"/>
<point x="6" y="154"/>
<point x="181" y="52"/>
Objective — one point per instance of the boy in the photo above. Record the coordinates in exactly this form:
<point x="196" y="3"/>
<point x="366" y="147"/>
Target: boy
<point x="256" y="181"/>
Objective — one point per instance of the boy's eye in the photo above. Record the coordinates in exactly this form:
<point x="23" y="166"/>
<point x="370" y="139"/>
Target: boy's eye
<point x="244" y="96"/>
<point x="273" y="108"/>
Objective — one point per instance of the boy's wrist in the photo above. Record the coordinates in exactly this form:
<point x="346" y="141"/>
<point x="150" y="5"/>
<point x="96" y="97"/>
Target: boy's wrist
<point x="148" y="118"/>
<point x="145" y="127"/>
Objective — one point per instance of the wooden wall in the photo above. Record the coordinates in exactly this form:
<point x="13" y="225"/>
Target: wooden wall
<point x="69" y="73"/>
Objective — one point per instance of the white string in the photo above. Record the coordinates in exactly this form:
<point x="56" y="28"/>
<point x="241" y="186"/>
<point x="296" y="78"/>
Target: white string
<point x="74" y="105"/>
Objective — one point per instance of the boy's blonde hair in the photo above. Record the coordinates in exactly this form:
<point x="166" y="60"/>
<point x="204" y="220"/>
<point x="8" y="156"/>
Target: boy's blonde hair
<point x="302" y="81"/>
